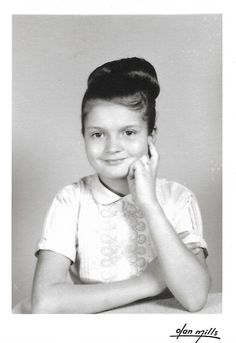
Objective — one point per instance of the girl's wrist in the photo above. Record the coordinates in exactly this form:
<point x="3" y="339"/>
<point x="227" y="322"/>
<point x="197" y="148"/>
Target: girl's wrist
<point x="145" y="284"/>
<point x="153" y="206"/>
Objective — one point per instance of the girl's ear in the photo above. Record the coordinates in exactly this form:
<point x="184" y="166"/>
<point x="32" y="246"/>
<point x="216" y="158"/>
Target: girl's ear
<point x="154" y="135"/>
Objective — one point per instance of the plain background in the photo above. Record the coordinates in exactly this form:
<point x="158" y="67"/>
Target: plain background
<point x="52" y="58"/>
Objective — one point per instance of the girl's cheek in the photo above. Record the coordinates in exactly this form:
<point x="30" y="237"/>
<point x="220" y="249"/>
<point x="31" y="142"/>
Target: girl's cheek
<point x="94" y="151"/>
<point x="138" y="148"/>
<point x="93" y="147"/>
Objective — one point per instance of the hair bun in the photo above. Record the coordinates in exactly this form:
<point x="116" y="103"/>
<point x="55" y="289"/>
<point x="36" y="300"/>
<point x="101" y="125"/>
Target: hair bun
<point x="125" y="76"/>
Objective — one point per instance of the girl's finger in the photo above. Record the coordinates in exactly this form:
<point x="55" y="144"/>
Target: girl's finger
<point x="196" y="251"/>
<point x="193" y="245"/>
<point x="131" y="171"/>
<point x="183" y="234"/>
<point x="153" y="151"/>
<point x="134" y="167"/>
<point x="145" y="160"/>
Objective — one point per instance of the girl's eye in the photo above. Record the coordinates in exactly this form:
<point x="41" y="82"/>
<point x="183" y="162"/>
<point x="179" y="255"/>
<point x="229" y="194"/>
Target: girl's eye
<point x="97" y="134"/>
<point x="129" y="132"/>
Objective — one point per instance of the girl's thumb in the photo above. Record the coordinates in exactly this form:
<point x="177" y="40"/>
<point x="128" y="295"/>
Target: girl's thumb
<point x="130" y="175"/>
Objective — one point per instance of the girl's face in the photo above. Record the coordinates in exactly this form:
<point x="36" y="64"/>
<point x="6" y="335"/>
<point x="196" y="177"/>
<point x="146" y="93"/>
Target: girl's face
<point x="115" y="137"/>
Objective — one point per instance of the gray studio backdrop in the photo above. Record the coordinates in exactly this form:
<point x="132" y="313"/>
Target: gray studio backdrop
<point x="52" y="57"/>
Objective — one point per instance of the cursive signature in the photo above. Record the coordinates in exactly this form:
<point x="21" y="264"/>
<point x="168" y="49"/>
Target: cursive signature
<point x="204" y="333"/>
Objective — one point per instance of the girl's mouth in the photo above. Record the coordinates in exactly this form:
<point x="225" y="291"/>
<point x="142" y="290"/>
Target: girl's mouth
<point x="115" y="161"/>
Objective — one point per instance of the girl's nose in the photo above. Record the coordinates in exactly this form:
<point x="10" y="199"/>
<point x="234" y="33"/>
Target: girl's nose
<point x="113" y="145"/>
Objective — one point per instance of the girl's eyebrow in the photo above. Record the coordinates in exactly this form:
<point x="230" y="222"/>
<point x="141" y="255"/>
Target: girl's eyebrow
<point x="94" y="127"/>
<point x="122" y="128"/>
<point x="131" y="126"/>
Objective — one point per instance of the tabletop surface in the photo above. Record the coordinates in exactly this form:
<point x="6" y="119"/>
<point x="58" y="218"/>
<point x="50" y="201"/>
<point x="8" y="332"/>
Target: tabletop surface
<point x="170" y="305"/>
<point x="151" y="305"/>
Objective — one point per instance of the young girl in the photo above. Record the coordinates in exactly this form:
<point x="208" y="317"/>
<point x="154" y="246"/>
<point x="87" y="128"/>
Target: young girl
<point x="122" y="233"/>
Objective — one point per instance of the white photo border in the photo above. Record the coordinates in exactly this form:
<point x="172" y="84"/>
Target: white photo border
<point x="149" y="328"/>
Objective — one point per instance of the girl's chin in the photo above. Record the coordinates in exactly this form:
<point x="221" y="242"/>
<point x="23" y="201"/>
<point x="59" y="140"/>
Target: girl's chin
<point x="116" y="174"/>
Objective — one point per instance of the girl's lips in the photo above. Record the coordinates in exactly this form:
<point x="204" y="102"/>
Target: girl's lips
<point x="115" y="161"/>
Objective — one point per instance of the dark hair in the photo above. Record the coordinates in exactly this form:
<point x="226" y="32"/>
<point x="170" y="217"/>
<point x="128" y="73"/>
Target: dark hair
<point x="130" y="81"/>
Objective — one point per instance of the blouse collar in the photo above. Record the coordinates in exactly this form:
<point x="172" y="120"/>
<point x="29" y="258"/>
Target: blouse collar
<point x="102" y="194"/>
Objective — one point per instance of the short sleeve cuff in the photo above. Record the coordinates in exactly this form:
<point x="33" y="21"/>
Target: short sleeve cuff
<point x="43" y="244"/>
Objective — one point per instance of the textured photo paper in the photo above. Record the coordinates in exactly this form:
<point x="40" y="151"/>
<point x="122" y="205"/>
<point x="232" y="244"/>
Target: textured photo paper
<point x="52" y="57"/>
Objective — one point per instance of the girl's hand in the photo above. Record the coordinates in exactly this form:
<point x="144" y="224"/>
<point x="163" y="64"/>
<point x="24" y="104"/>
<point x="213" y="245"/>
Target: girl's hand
<point x="142" y="177"/>
<point x="194" y="246"/>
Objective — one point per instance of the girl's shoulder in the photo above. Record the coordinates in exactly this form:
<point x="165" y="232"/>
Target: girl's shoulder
<point x="76" y="190"/>
<point x="172" y="191"/>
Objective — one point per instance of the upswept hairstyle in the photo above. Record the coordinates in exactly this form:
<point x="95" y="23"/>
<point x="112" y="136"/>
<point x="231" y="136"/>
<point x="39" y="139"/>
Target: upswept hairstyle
<point x="131" y="82"/>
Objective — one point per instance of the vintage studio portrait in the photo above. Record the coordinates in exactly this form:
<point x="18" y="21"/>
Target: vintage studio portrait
<point x="116" y="164"/>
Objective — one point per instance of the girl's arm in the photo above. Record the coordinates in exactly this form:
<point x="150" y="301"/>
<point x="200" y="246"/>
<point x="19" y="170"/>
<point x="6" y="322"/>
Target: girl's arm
<point x="52" y="294"/>
<point x="185" y="275"/>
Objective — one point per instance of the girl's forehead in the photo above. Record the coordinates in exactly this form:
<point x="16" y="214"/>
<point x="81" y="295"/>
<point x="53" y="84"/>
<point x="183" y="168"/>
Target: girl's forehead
<point x="102" y="113"/>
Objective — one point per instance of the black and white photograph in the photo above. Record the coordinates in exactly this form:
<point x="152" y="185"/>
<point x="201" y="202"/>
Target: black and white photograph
<point x="121" y="174"/>
<point x="117" y="164"/>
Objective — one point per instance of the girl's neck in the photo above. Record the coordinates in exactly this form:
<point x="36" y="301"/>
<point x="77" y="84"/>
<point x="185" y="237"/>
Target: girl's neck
<point x="118" y="186"/>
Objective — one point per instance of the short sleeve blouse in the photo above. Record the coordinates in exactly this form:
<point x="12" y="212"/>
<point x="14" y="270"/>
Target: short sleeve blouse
<point x="106" y="236"/>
